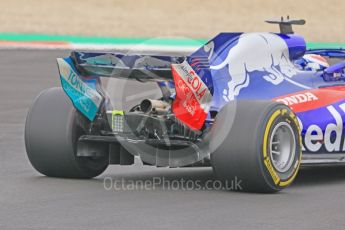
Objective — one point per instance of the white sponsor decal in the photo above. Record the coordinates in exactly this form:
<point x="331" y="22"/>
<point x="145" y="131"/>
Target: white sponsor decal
<point x="298" y="98"/>
<point x="314" y="137"/>
<point x="77" y="84"/>
<point x="195" y="84"/>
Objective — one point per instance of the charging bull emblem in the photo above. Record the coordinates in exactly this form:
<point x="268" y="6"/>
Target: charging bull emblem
<point x="265" y="53"/>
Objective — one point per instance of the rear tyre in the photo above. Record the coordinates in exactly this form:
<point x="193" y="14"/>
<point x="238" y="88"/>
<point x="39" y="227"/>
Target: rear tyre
<point x="52" y="129"/>
<point x="262" y="150"/>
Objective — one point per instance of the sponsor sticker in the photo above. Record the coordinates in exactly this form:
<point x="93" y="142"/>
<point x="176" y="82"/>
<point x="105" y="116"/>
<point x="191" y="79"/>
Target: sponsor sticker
<point x="327" y="136"/>
<point x="86" y="99"/>
<point x="193" y="98"/>
<point x="298" y="98"/>
<point x="320" y="115"/>
<point x="312" y="99"/>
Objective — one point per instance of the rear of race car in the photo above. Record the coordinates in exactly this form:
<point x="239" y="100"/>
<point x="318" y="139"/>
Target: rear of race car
<point x="164" y="131"/>
<point x="191" y="124"/>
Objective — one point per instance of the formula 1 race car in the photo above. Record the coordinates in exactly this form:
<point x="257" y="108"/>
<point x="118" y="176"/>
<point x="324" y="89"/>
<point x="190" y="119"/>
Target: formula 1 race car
<point x="251" y="105"/>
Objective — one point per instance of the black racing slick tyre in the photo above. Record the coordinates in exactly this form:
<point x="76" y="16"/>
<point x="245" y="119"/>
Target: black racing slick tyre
<point x="51" y="132"/>
<point x="262" y="149"/>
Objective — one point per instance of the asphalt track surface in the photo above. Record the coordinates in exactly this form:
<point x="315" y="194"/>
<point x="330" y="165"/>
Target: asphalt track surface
<point x="29" y="200"/>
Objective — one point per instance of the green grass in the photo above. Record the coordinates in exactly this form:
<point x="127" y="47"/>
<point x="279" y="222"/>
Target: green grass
<point x="129" y="41"/>
<point x="100" y="40"/>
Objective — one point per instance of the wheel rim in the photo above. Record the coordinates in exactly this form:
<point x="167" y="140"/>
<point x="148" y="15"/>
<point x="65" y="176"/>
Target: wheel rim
<point x="282" y="147"/>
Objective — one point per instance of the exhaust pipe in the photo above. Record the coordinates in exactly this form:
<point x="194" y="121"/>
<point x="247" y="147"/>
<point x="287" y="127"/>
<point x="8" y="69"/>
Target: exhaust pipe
<point x="157" y="106"/>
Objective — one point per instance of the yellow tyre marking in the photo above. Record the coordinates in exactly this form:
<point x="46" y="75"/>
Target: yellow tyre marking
<point x="268" y="126"/>
<point x="284" y="111"/>
<point x="270" y="168"/>
<point x="293" y="117"/>
<point x="267" y="160"/>
<point x="287" y="182"/>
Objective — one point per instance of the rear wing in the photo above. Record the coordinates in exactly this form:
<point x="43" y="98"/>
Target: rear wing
<point x="80" y="72"/>
<point x="135" y="67"/>
<point x="186" y="80"/>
